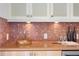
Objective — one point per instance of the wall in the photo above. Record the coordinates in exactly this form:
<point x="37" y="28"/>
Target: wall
<point x="36" y="30"/>
<point x="3" y="30"/>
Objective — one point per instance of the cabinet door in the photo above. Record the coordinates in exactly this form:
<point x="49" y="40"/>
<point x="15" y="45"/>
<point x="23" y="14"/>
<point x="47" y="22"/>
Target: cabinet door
<point x="14" y="53"/>
<point x="18" y="12"/>
<point x="58" y="10"/>
<point x="74" y="12"/>
<point x="18" y="9"/>
<point x="53" y="53"/>
<point x="5" y="10"/>
<point x="40" y="53"/>
<point x="30" y="53"/>
<point x="46" y="53"/>
<point x="76" y="9"/>
<point x="39" y="9"/>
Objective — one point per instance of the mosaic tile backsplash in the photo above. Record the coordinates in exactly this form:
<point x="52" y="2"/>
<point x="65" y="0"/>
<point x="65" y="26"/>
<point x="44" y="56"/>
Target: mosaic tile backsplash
<point x="3" y="30"/>
<point x="36" y="30"/>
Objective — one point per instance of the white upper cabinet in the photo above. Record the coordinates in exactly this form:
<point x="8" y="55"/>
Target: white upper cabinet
<point x="39" y="9"/>
<point x="5" y="10"/>
<point x="75" y="12"/>
<point x="18" y="9"/>
<point x="18" y="12"/>
<point x="40" y="12"/>
<point x="48" y="11"/>
<point x="29" y="11"/>
<point x="76" y="9"/>
<point x="58" y="12"/>
<point x="59" y="9"/>
<point x="35" y="12"/>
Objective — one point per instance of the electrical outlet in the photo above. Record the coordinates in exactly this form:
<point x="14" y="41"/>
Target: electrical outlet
<point x="45" y="36"/>
<point x="77" y="36"/>
<point x="7" y="36"/>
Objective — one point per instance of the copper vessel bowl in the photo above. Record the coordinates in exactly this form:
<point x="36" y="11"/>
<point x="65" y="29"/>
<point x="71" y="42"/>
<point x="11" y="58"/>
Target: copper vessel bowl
<point x="23" y="42"/>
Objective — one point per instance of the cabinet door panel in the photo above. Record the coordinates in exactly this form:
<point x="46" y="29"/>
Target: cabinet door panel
<point x="18" y="9"/>
<point x="14" y="53"/>
<point x="59" y="9"/>
<point x="5" y="10"/>
<point x="47" y="53"/>
<point x="76" y="9"/>
<point x="30" y="53"/>
<point x="39" y="9"/>
<point x="41" y="53"/>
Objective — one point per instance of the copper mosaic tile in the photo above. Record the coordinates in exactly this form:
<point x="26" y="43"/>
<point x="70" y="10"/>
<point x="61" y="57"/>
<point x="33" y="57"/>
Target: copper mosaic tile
<point x="36" y="30"/>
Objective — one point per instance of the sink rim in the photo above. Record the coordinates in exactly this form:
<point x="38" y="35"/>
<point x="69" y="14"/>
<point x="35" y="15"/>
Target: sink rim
<point x="68" y="43"/>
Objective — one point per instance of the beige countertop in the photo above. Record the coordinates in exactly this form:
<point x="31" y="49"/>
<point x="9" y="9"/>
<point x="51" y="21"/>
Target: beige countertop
<point x="38" y="46"/>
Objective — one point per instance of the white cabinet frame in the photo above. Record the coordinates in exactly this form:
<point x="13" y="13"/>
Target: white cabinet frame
<point x="48" y="18"/>
<point x="74" y="18"/>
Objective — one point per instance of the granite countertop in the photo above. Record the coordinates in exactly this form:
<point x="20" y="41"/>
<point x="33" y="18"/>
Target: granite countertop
<point x="38" y="45"/>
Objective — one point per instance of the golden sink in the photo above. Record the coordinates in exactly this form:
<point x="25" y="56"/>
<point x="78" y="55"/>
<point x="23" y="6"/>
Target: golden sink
<point x="24" y="42"/>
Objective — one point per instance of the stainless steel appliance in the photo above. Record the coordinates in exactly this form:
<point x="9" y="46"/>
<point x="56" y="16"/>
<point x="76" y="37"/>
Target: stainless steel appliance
<point x="70" y="53"/>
